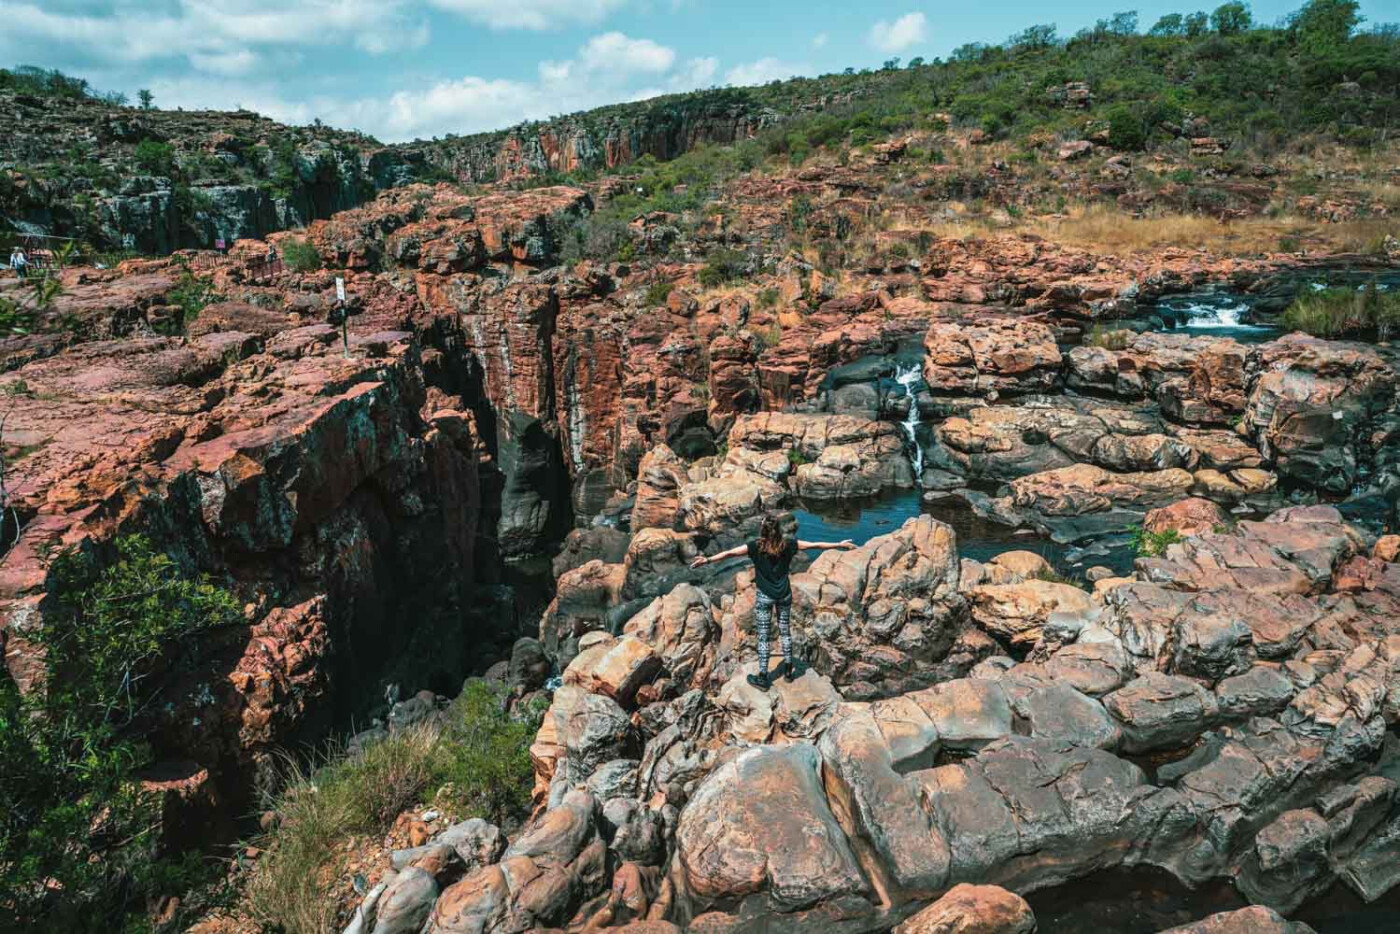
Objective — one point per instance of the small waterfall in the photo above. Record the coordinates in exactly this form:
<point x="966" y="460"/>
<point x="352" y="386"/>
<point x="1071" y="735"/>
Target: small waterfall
<point x="1221" y="312"/>
<point x="908" y="376"/>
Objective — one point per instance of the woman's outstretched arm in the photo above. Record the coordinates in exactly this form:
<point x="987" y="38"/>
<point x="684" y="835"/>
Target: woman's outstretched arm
<point x="823" y="546"/>
<point x="734" y="552"/>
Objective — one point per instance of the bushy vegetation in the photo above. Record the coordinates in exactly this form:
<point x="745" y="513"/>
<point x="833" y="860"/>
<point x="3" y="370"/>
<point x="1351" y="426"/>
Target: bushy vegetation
<point x="1317" y="73"/>
<point x="191" y="295"/>
<point x="1206" y="72"/>
<point x="1345" y="312"/>
<point x="477" y="765"/>
<point x="658" y="292"/>
<point x="154" y="157"/>
<point x="78" y="840"/>
<point x="722" y="266"/>
<point x="1153" y="544"/>
<point x="300" y="256"/>
<point x="50" y="82"/>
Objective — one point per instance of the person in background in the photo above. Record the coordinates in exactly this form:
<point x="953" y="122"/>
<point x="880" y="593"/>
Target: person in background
<point x="19" y="263"/>
<point x="772" y="553"/>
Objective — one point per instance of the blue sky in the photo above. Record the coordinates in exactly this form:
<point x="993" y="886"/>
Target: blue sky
<point x="402" y="69"/>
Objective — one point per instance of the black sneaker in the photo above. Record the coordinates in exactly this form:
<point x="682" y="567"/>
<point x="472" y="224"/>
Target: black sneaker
<point x="793" y="670"/>
<point x="760" y="681"/>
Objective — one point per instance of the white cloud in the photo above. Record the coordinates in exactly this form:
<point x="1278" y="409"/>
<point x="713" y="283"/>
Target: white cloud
<point x="698" y="73"/>
<point x="819" y="40"/>
<point x="613" y="51"/>
<point x="605" y="70"/>
<point x="530" y="14"/>
<point x="909" y="30"/>
<point x="215" y="36"/>
<point x="230" y="64"/>
<point x="763" y="71"/>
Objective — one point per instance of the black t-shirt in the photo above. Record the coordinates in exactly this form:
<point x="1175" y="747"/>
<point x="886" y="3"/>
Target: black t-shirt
<point x="771" y="574"/>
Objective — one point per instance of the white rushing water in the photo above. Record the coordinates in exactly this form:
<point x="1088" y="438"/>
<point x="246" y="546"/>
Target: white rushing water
<point x="908" y="376"/>
<point x="1222" y="312"/>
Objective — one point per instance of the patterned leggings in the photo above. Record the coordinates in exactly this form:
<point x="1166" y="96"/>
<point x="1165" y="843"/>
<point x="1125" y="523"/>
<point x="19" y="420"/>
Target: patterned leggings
<point x="763" y="617"/>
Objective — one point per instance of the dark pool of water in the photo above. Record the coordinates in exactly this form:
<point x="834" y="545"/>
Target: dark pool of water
<point x="1145" y="901"/>
<point x="979" y="539"/>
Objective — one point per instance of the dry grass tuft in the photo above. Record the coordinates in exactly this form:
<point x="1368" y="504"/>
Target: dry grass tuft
<point x="1104" y="229"/>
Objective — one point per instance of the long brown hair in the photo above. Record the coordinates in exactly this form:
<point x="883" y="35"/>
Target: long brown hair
<point x="771" y="540"/>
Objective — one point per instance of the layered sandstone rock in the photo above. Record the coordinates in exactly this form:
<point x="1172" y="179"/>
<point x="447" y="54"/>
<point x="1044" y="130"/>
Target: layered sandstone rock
<point x="1083" y="500"/>
<point x="1315" y="407"/>
<point x="990" y="357"/>
<point x="1258" y="708"/>
<point x="1006" y="442"/>
<point x="876" y="617"/>
<point x="241" y="452"/>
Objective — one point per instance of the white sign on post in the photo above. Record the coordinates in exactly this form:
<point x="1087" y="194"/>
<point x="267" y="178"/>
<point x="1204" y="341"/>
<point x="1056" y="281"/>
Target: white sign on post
<point x="339" y="289"/>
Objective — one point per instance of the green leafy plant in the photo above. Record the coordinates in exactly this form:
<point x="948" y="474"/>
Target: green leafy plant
<point x="658" y="292"/>
<point x="1340" y="312"/>
<point x="301" y="256"/>
<point x="722" y="266"/>
<point x="191" y="294"/>
<point x="155" y="158"/>
<point x="1153" y="544"/>
<point x="15" y="319"/>
<point x="1052" y="576"/>
<point x="77" y="837"/>
<point x="796" y="458"/>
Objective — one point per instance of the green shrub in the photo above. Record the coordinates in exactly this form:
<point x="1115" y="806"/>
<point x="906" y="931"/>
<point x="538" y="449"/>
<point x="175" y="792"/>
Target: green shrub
<point x="191" y="294"/>
<point x="658" y="293"/>
<point x="722" y="266"/>
<point x="154" y="157"/>
<point x="1127" y="130"/>
<point x="15" y="318"/>
<point x="301" y="256"/>
<point x="1052" y="576"/>
<point x="767" y="298"/>
<point x="483" y="763"/>
<point x="476" y="765"/>
<point x="597" y="237"/>
<point x="1153" y="544"/>
<point x="77" y="838"/>
<point x="796" y="458"/>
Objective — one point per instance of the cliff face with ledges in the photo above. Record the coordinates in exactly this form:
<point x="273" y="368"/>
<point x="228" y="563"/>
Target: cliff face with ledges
<point x="588" y="142"/>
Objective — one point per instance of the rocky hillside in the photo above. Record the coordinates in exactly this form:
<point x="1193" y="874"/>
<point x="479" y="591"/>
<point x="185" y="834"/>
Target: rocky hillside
<point x="76" y="164"/>
<point x="1122" y="602"/>
<point x="1222" y="80"/>
<point x="153" y="181"/>
<point x="373" y="514"/>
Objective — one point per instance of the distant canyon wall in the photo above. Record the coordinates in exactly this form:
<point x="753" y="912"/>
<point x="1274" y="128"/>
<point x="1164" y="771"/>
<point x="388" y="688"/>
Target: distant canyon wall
<point x="587" y="143"/>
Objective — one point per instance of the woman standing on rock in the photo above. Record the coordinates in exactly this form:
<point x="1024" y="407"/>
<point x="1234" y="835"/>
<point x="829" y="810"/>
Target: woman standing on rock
<point x="772" y="553"/>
